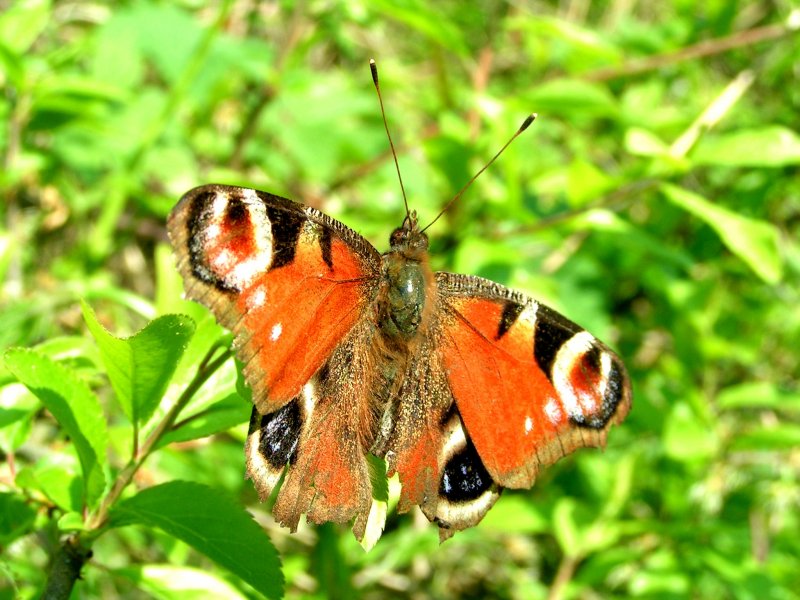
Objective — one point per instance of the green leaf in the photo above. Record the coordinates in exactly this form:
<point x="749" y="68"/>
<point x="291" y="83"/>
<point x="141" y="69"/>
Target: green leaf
<point x="16" y="517"/>
<point x="770" y="146"/>
<point x="515" y="514"/>
<point x="56" y="477"/>
<point x="212" y="524"/>
<point x="73" y="405"/>
<point x="22" y="23"/>
<point x="71" y="521"/>
<point x="686" y="438"/>
<point x="753" y="241"/>
<point x="220" y="416"/>
<point x="758" y="394"/>
<point x="642" y="142"/>
<point x="17" y="408"/>
<point x="140" y="367"/>
<point x="784" y="436"/>
<point x="167" y="582"/>
<point x="566" y="529"/>
<point x="567" y="97"/>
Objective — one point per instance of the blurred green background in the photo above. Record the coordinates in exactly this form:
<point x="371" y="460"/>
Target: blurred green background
<point x="656" y="201"/>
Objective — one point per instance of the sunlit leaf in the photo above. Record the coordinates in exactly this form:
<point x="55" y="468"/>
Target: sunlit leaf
<point x="140" y="366"/>
<point x="772" y="146"/>
<point x="169" y="582"/>
<point x="212" y="524"/>
<point x="753" y="241"/>
<point x="73" y="405"/>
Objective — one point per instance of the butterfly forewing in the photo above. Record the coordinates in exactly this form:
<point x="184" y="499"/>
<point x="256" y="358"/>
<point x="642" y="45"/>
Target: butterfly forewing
<point x="289" y="281"/>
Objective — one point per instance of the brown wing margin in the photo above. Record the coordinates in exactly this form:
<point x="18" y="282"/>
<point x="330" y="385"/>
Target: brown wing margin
<point x="289" y="281"/>
<point x="530" y="385"/>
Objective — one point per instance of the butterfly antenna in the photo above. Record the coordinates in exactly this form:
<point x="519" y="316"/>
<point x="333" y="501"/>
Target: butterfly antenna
<point x="525" y="124"/>
<point x="374" y="69"/>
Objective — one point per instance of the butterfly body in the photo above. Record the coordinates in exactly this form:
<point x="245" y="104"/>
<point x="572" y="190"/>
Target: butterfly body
<point x="463" y="386"/>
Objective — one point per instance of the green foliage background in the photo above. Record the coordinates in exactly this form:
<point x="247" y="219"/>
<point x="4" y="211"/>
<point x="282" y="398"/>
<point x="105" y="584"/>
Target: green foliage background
<point x="656" y="201"/>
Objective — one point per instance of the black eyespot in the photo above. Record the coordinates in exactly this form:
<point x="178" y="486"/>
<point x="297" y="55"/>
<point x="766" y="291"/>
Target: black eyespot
<point x="464" y="477"/>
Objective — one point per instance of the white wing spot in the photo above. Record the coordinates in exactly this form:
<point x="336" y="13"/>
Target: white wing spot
<point x="275" y="332"/>
<point x="257" y="298"/>
<point x="528" y="425"/>
<point x="552" y="411"/>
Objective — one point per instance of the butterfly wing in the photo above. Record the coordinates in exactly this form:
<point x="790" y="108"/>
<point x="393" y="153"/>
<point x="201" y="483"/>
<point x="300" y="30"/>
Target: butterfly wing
<point x="287" y="280"/>
<point x="292" y="284"/>
<point x="530" y="386"/>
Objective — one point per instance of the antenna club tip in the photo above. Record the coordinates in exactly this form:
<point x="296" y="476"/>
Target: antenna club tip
<point x="526" y="123"/>
<point x="374" y="70"/>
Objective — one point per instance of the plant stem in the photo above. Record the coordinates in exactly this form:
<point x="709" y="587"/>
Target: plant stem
<point x="75" y="550"/>
<point x="204" y="371"/>
<point x="65" y="568"/>
<point x="566" y="569"/>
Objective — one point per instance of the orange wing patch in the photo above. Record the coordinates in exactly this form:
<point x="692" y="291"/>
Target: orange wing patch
<point x="294" y="317"/>
<point x="530" y="385"/>
<point x="500" y="392"/>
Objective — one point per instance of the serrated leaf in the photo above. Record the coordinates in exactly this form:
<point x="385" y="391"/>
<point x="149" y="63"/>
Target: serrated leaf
<point x="212" y="524"/>
<point x="753" y="241"/>
<point x="771" y="146"/>
<point x="75" y="408"/>
<point x="140" y="367"/>
<point x="168" y="582"/>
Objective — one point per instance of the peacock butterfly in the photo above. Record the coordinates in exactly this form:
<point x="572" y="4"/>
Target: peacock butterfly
<point x="464" y="387"/>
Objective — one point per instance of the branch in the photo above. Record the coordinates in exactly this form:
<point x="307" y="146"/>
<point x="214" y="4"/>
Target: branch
<point x="701" y="49"/>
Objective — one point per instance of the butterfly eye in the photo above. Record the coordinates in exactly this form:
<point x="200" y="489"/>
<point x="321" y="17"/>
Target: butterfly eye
<point x="397" y="238"/>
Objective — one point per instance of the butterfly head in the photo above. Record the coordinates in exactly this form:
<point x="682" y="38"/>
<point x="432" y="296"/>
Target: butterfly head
<point x="409" y="239"/>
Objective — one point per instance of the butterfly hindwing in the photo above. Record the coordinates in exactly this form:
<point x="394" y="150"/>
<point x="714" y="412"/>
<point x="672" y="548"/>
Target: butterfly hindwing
<point x="529" y="385"/>
<point x="318" y="435"/>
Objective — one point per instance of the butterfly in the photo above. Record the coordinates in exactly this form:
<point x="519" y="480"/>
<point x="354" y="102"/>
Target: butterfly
<point x="461" y="385"/>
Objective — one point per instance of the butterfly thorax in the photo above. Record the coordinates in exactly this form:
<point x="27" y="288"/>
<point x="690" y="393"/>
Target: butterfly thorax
<point x="406" y="282"/>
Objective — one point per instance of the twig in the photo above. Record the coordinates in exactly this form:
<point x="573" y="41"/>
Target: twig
<point x="65" y="568"/>
<point x="704" y="48"/>
<point x="566" y="569"/>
